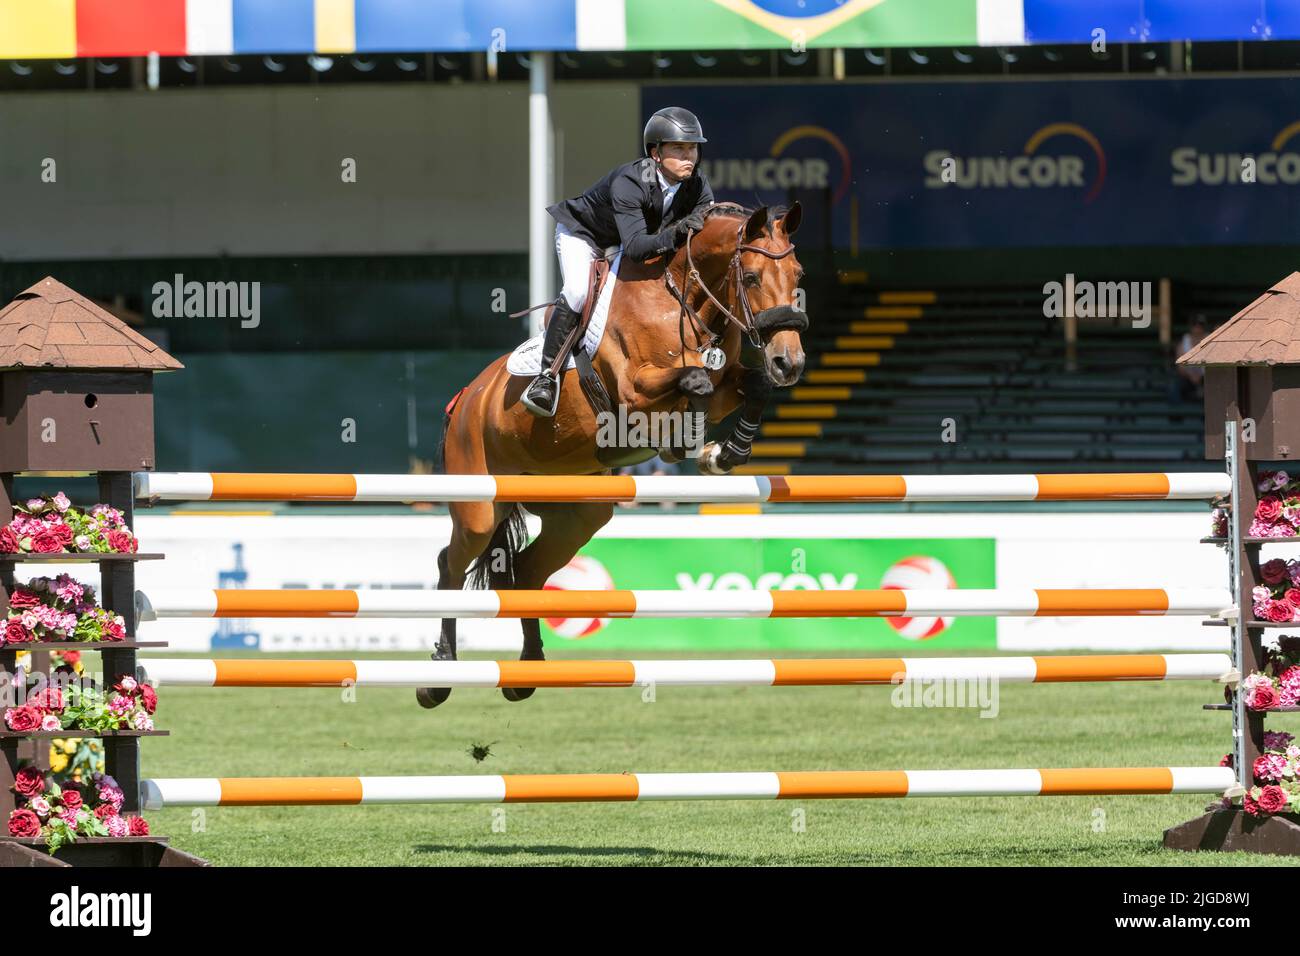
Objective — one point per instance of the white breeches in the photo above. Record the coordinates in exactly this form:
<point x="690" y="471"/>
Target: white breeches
<point x="575" y="265"/>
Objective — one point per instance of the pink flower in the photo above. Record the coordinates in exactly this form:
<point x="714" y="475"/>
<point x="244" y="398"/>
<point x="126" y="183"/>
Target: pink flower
<point x="22" y="719"/>
<point x="1269" y="767"/>
<point x="1279" y="612"/>
<point x="117" y="827"/>
<point x="111" y="796"/>
<point x="40" y="806"/>
<point x="148" y="697"/>
<point x="50" y="722"/>
<point x="1280" y="479"/>
<point x="121" y="541"/>
<point x="127" y="684"/>
<point x="69" y="816"/>
<point x="1273" y="799"/>
<point x="61" y="501"/>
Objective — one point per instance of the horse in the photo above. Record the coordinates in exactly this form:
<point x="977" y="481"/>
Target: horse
<point x="659" y="354"/>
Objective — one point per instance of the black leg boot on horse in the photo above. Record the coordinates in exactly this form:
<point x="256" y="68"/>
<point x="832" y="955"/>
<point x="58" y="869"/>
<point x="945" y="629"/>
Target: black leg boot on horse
<point x="543" y="396"/>
<point x="446" y="650"/>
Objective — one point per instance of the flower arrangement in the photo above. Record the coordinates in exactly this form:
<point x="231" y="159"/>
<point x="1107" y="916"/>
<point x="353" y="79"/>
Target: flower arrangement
<point x="1277" y="598"/>
<point x="129" y="705"/>
<point x="58" y="609"/>
<point x="49" y="524"/>
<point x="1278" y="683"/>
<point x="1277" y="777"/>
<point x="60" y="814"/>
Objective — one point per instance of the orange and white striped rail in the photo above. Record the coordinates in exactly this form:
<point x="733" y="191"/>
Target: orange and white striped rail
<point x="216" y="486"/>
<point x="583" y="788"/>
<point x="1008" y="602"/>
<point x="760" y="673"/>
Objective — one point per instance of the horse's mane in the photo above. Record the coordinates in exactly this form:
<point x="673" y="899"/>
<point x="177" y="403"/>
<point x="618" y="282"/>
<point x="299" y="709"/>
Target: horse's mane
<point x="735" y="210"/>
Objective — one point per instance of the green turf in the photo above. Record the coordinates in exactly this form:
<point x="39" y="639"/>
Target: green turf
<point x="242" y="732"/>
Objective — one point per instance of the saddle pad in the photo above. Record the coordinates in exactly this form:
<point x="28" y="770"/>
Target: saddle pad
<point x="527" y="358"/>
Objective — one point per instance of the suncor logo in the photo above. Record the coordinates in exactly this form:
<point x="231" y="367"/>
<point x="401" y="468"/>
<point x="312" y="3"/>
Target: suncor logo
<point x="1276" y="166"/>
<point x="779" y="171"/>
<point x="1030" y="170"/>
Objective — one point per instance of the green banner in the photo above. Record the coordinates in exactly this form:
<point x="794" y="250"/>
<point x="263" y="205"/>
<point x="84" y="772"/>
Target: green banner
<point x="782" y="563"/>
<point x="774" y="24"/>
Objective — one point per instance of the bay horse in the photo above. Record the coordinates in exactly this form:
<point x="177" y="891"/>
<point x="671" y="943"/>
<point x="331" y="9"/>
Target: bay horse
<point x="666" y="321"/>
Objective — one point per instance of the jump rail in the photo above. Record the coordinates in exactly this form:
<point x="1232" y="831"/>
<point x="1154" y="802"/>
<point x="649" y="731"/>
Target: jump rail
<point x="888" y="602"/>
<point x="213" y="486"/>
<point x="774" y="673"/>
<point x="582" y="788"/>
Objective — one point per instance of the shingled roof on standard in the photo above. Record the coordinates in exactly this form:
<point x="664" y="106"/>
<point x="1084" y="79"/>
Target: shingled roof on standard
<point x="51" y="326"/>
<point x="1266" y="332"/>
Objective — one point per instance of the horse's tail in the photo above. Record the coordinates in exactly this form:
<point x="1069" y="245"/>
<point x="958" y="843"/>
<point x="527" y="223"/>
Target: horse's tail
<point x="446" y="427"/>
<point x="495" y="567"/>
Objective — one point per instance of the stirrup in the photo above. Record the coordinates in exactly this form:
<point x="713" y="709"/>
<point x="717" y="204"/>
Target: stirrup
<point x="541" y="411"/>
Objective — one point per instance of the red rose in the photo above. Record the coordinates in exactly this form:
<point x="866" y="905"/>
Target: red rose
<point x="23" y="719"/>
<point x="24" y="823"/>
<point x="114" y="632"/>
<point x="9" y="541"/>
<point x="1292" y="597"/>
<point x="15" y="633"/>
<point x="63" y="532"/>
<point x="29" y="782"/>
<point x="46" y="542"/>
<point x="148" y="697"/>
<point x="1251" y="806"/>
<point x="137" y="826"/>
<point x="1273" y="572"/>
<point x="71" y="798"/>
<point x="104" y="811"/>
<point x="71" y="658"/>
<point x="1269" y="508"/>
<point x="121" y="541"/>
<point x="1226" y="761"/>
<point x="1263" y="697"/>
<point x="1273" y="799"/>
<point x="23" y="598"/>
<point x="1279" y="612"/>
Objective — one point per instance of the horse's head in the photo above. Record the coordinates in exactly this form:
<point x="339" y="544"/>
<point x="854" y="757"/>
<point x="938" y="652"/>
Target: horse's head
<point x="769" y="290"/>
<point x="749" y="259"/>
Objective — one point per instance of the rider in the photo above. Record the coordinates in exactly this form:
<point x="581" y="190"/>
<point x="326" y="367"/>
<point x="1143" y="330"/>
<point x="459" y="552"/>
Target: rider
<point x="646" y="206"/>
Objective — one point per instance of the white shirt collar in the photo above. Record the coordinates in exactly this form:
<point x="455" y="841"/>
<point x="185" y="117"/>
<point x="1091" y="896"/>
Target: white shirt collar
<point x="666" y="186"/>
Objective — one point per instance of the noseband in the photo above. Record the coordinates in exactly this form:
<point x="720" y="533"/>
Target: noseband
<point x="751" y="326"/>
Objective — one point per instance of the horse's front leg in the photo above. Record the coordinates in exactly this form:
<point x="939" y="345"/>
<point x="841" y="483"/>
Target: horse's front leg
<point x="667" y="386"/>
<point x="755" y="392"/>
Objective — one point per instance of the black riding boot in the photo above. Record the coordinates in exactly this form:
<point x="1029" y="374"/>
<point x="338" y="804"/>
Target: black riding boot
<point x="543" y="395"/>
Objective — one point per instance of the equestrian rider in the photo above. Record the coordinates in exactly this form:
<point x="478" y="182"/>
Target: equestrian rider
<point x="646" y="206"/>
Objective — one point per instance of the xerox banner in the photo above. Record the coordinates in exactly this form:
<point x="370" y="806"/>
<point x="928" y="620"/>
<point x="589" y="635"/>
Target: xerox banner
<point x="999" y="164"/>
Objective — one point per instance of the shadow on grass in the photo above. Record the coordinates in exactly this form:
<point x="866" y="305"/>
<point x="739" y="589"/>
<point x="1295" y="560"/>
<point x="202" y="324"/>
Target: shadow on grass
<point x="596" y="853"/>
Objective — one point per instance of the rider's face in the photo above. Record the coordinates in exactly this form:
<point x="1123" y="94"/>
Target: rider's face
<point x="678" y="160"/>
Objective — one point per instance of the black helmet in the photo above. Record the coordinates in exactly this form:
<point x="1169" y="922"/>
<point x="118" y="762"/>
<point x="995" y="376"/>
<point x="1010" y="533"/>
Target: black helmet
<point x="672" y="124"/>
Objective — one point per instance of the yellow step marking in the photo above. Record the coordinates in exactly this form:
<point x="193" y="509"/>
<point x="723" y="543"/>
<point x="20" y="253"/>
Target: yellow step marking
<point x="907" y="298"/>
<point x="827" y="376"/>
<point x="853" y="277"/>
<point x="734" y="508"/>
<point x="878" y="328"/>
<point x="864" y="342"/>
<point x="766" y="468"/>
<point x="805" y="393"/>
<point x="791" y="430"/>
<point x="805" y="411"/>
<point x="778" y="449"/>
<point x="892" y="312"/>
<point x="841" y="359"/>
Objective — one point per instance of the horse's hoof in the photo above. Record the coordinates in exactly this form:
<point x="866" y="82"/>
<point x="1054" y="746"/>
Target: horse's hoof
<point x="709" y="459"/>
<point x="431" y="697"/>
<point x="513" y="694"/>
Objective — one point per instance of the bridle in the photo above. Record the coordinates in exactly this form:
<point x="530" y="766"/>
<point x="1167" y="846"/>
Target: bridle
<point x="746" y="324"/>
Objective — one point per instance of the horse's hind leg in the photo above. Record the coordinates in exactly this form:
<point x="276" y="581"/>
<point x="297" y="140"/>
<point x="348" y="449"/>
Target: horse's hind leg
<point x="473" y="524"/>
<point x="565" y="529"/>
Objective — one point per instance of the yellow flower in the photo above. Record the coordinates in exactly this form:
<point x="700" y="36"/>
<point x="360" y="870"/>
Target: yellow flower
<point x="58" y="761"/>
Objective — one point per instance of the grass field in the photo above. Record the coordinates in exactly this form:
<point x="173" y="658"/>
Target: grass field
<point x="244" y="732"/>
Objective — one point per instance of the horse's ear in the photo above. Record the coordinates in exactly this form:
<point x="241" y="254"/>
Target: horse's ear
<point x="757" y="220"/>
<point x="792" y="219"/>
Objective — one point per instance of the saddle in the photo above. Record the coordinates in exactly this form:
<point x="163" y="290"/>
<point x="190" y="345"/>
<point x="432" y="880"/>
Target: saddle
<point x="592" y="386"/>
